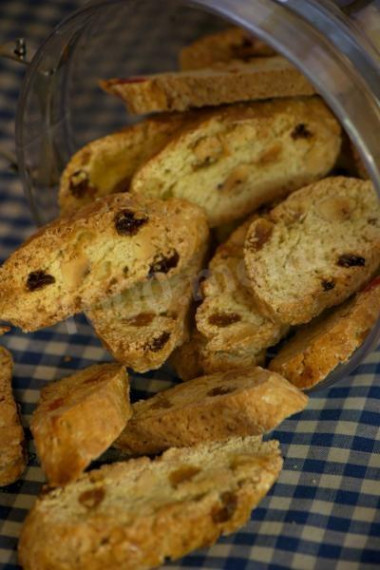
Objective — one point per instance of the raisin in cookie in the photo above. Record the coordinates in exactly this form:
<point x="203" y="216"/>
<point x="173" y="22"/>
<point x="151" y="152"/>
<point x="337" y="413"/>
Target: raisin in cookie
<point x="229" y="317"/>
<point x="143" y="325"/>
<point x="243" y="402"/>
<point x="222" y="47"/>
<point x="106" y="165"/>
<point x="232" y="160"/>
<point x="315" y="249"/>
<point x="101" y="250"/>
<point x="134" y="515"/>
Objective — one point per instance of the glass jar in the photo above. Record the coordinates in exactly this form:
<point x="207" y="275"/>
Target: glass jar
<point x="335" y="44"/>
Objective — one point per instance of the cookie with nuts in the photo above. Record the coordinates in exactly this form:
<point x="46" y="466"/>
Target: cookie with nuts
<point x="142" y="326"/>
<point x="235" y="402"/>
<point x="99" y="251"/>
<point x="315" y="249"/>
<point x="106" y="165"/>
<point x="138" y="513"/>
<point x="229" y="317"/>
<point x="231" y="160"/>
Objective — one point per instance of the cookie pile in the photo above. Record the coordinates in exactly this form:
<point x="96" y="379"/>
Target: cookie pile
<point x="204" y="235"/>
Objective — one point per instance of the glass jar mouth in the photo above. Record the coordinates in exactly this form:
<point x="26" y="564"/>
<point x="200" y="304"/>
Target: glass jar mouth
<point x="329" y="51"/>
<point x="336" y="60"/>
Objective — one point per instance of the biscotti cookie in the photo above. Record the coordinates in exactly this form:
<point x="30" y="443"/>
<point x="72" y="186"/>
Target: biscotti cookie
<point x="211" y="408"/>
<point x="136" y="514"/>
<point x="222" y="47"/>
<point x="78" y="418"/>
<point x="315" y="249"/>
<point x="193" y="358"/>
<point x="106" y="165"/>
<point x="233" y="159"/>
<point x="331" y="339"/>
<point x="213" y="361"/>
<point x="12" y="454"/>
<point x="229" y="317"/>
<point x="143" y="325"/>
<point x="185" y="360"/>
<point x="262" y="78"/>
<point x="101" y="250"/>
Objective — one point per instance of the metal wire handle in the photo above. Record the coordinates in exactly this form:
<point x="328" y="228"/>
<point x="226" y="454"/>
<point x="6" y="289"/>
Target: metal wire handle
<point x="15" y="50"/>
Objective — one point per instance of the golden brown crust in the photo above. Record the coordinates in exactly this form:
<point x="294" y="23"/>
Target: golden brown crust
<point x="185" y="360"/>
<point x="106" y="165"/>
<point x="142" y="326"/>
<point x="331" y="339"/>
<point x="104" y="248"/>
<point x="78" y="418"/>
<point x="315" y="249"/>
<point x="134" y="514"/>
<point x="238" y="402"/>
<point x="232" y="160"/>
<point x="262" y="78"/>
<point x="222" y="47"/>
<point x="12" y="452"/>
<point x="229" y="317"/>
<point x="194" y="358"/>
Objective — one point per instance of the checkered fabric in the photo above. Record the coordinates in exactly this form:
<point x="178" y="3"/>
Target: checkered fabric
<point x="324" y="512"/>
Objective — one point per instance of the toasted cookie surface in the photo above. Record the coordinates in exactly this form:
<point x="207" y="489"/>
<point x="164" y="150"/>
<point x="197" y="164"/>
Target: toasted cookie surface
<point x="239" y="402"/>
<point x="194" y="358"/>
<point x="12" y="455"/>
<point x="315" y="249"/>
<point x="262" y="78"/>
<point x="106" y="165"/>
<point x="229" y="317"/>
<point x="137" y="513"/>
<point x="101" y="250"/>
<point x="143" y="325"/>
<point x="331" y="339"/>
<point x="78" y="418"/>
<point x="222" y="47"/>
<point x="232" y="160"/>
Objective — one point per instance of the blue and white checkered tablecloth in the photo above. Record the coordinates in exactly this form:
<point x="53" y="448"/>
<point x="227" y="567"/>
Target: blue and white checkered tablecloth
<point x="324" y="512"/>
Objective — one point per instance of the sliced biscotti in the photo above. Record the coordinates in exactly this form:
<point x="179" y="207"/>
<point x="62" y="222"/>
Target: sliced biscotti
<point x="143" y="325"/>
<point x="238" y="358"/>
<point x="101" y="250"/>
<point x="315" y="249"/>
<point x="106" y="165"/>
<point x="233" y="159"/>
<point x="229" y="317"/>
<point x="211" y="408"/>
<point x="261" y="78"/>
<point x="136" y="514"/>
<point x="222" y="47"/>
<point x="78" y="418"/>
<point x="185" y="360"/>
<point x="193" y="358"/>
<point x="12" y="453"/>
<point x="331" y="339"/>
